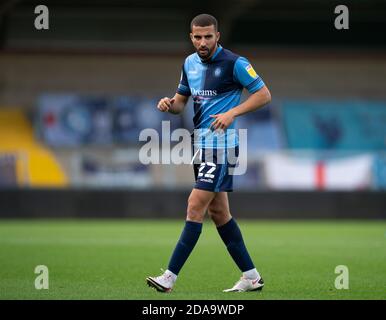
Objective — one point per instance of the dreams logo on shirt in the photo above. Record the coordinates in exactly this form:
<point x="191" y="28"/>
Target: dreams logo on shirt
<point x="205" y="93"/>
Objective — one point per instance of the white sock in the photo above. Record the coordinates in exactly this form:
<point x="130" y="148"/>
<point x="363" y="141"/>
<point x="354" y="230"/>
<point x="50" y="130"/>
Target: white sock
<point x="251" y="274"/>
<point x="173" y="277"/>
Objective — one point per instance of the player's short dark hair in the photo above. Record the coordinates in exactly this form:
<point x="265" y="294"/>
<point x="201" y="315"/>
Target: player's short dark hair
<point x="204" y="20"/>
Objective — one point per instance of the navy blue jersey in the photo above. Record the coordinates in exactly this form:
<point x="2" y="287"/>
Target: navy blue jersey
<point x="215" y="86"/>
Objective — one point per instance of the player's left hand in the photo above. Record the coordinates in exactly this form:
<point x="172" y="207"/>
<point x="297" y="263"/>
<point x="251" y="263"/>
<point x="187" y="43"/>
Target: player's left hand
<point x="222" y="120"/>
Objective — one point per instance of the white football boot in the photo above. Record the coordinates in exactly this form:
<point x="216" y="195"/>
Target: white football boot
<point x="162" y="283"/>
<point x="245" y="284"/>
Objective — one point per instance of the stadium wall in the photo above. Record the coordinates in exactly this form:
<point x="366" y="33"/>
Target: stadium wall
<point x="300" y="74"/>
<point x="66" y="203"/>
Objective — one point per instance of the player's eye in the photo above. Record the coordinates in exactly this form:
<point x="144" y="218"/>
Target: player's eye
<point x="209" y="37"/>
<point x="197" y="37"/>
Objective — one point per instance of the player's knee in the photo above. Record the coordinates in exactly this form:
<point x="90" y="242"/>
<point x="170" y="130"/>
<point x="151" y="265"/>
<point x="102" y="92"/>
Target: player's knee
<point x="195" y="211"/>
<point x="214" y="211"/>
<point x="219" y="214"/>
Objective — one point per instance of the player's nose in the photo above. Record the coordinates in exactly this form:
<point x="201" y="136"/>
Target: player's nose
<point x="203" y="44"/>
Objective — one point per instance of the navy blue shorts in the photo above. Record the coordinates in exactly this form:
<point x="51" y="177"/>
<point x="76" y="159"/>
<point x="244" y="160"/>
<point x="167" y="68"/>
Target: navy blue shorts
<point x="213" y="169"/>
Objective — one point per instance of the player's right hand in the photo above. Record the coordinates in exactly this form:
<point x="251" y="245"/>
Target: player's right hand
<point x="165" y="104"/>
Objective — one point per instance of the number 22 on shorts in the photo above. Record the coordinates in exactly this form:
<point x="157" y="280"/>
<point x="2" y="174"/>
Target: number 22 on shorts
<point x="208" y="174"/>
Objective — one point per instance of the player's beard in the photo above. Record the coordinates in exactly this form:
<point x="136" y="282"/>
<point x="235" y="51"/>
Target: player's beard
<point x="206" y="53"/>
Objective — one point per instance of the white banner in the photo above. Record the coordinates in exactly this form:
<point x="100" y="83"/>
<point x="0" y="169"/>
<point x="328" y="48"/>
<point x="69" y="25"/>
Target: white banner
<point x="283" y="172"/>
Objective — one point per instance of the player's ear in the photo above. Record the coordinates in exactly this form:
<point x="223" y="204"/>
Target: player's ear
<point x="191" y="36"/>
<point x="218" y="36"/>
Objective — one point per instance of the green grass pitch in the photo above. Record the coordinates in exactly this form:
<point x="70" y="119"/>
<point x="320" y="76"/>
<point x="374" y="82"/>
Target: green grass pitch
<point x="110" y="259"/>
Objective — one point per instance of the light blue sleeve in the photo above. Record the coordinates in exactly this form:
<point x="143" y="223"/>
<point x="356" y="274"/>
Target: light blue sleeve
<point x="183" y="87"/>
<point x="244" y="74"/>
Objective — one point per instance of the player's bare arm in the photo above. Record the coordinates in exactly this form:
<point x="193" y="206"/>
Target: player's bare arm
<point x="173" y="105"/>
<point x="255" y="101"/>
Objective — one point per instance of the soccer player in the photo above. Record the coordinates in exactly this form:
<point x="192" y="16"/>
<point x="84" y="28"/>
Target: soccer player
<point x="215" y="78"/>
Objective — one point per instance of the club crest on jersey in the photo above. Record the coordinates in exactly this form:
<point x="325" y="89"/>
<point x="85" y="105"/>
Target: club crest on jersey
<point x="217" y="72"/>
<point x="251" y="71"/>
